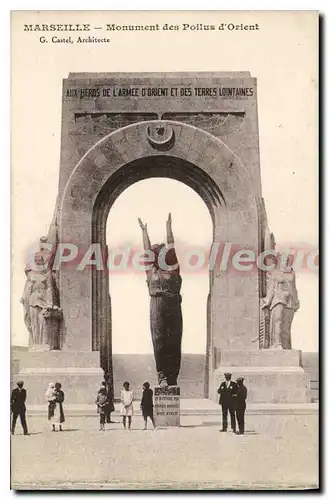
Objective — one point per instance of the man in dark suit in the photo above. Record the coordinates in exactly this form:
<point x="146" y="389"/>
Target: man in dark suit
<point x="227" y="395"/>
<point x="241" y="396"/>
<point x="18" y="398"/>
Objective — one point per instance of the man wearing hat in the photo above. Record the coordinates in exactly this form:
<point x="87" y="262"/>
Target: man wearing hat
<point x="18" y="398"/>
<point x="227" y="395"/>
<point x="241" y="396"/>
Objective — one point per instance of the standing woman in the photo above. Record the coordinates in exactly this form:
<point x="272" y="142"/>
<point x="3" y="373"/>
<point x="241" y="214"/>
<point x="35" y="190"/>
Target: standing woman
<point x="147" y="404"/>
<point x="127" y="409"/>
<point x="59" y="412"/>
<point x="51" y="399"/>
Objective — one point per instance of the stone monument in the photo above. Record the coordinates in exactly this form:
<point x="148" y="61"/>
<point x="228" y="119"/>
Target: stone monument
<point x="164" y="284"/>
<point x="197" y="128"/>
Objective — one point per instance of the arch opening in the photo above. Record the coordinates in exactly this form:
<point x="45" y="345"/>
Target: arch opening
<point x="132" y="349"/>
<point x="155" y="168"/>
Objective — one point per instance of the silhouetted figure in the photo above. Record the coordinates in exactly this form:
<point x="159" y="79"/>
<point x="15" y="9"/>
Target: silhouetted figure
<point x="18" y="398"/>
<point x="147" y="404"/>
<point x="241" y="396"/>
<point x="109" y="398"/>
<point x="59" y="411"/>
<point x="227" y="396"/>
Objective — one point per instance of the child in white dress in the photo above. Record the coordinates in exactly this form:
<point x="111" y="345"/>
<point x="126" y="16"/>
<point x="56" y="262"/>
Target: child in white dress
<point x="127" y="409"/>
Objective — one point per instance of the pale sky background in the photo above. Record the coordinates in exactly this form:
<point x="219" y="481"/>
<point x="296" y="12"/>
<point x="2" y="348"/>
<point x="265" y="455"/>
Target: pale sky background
<point x="283" y="57"/>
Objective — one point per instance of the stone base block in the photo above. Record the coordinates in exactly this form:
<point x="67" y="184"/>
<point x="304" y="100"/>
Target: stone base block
<point x="167" y="406"/>
<point x="57" y="359"/>
<point x="271" y="376"/>
<point x="79" y="374"/>
<point x="279" y="384"/>
<point x="264" y="357"/>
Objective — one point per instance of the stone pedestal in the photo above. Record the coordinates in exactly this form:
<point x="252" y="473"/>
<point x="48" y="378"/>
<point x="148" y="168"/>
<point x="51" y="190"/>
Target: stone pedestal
<point x="78" y="372"/>
<point x="167" y="406"/>
<point x="270" y="376"/>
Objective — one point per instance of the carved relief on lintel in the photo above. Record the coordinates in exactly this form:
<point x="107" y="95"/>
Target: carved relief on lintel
<point x="218" y="123"/>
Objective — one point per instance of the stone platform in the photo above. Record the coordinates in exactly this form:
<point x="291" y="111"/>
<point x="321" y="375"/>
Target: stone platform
<point x="78" y="372"/>
<point x="271" y="376"/>
<point x="188" y="407"/>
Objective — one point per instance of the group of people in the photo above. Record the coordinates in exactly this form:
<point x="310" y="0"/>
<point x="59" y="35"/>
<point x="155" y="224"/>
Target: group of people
<point x="54" y="397"/>
<point x="232" y="398"/>
<point x="104" y="402"/>
<point x="105" y="406"/>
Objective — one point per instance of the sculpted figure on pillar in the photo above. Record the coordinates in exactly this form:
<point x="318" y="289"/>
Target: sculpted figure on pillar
<point x="282" y="302"/>
<point x="42" y="314"/>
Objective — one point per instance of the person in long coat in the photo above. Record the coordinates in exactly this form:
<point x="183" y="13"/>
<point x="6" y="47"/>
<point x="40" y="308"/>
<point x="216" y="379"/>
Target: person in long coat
<point x="147" y="404"/>
<point x="109" y="398"/>
<point x="227" y="396"/>
<point x="17" y="401"/>
<point x="240" y="405"/>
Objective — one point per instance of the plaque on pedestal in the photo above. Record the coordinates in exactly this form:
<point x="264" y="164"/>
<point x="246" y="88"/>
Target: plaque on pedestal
<point x="167" y="406"/>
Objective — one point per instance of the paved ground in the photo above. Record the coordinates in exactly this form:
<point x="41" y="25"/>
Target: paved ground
<point x="278" y="451"/>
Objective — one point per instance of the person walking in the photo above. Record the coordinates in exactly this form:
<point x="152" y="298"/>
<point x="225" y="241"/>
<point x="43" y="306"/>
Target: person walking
<point x="241" y="396"/>
<point x="147" y="404"/>
<point x="227" y="395"/>
<point x="17" y="400"/>
<point x="127" y="409"/>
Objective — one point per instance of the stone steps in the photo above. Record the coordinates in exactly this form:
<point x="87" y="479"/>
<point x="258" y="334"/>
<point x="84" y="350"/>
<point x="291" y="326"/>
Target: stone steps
<point x="192" y="407"/>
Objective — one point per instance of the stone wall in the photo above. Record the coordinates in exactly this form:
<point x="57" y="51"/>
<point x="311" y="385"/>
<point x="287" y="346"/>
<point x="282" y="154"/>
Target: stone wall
<point x="137" y="368"/>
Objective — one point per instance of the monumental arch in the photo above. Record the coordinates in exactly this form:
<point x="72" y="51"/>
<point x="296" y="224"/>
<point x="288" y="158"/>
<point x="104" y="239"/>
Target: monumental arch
<point x="209" y="141"/>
